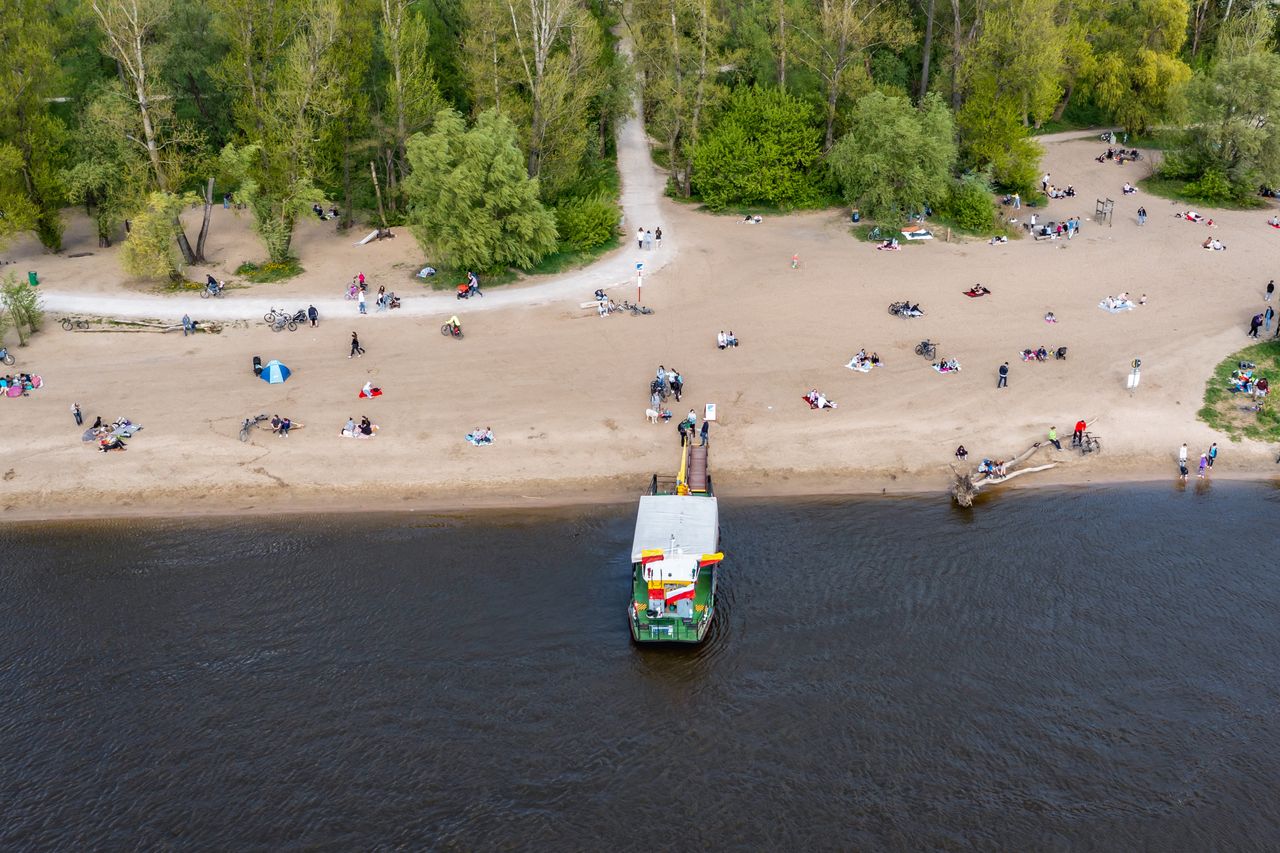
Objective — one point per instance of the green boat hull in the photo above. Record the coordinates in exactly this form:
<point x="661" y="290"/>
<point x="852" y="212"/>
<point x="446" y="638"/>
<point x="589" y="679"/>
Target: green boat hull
<point x="670" y="628"/>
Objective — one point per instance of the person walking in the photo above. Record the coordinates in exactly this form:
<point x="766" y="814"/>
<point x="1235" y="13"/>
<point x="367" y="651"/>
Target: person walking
<point x="1053" y="437"/>
<point x="363" y="308"/>
<point x="75" y="413"/>
<point x="1271" y="289"/>
<point x="640" y="238"/>
<point x="1213" y="453"/>
<point x="648" y="239"/>
<point x="356" y="349"/>
<point x="313" y="315"/>
<point x="1182" y="462"/>
<point x="1267" y="317"/>
<point x="1204" y="463"/>
<point x="1142" y="216"/>
<point x="1003" y="381"/>
<point x="1017" y="201"/>
<point x="683" y="427"/>
<point x="1255" y="324"/>
<point x="657" y="236"/>
<point x="676" y="382"/>
<point x="1077" y="436"/>
<point x="706" y="429"/>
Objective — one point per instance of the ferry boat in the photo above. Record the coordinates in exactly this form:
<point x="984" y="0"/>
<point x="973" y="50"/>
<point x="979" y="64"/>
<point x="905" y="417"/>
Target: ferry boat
<point x="674" y="556"/>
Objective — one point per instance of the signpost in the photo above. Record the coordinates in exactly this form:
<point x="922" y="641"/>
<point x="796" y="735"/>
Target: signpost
<point x="639" y="282"/>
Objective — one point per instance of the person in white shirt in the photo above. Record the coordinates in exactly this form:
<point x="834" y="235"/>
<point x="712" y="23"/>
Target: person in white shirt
<point x="720" y="340"/>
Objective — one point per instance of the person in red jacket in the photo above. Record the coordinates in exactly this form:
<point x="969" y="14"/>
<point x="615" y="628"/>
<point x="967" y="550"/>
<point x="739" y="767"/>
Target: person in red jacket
<point x="1078" y="435"/>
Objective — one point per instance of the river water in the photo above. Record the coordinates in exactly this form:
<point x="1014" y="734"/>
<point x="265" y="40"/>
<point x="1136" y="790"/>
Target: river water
<point x="1059" y="670"/>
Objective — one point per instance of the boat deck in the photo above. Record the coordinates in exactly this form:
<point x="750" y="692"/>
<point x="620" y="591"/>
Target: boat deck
<point x="681" y="629"/>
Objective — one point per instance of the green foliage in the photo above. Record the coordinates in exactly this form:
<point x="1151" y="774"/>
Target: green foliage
<point x="994" y="139"/>
<point x="150" y="250"/>
<point x="968" y="205"/>
<point x="1235" y="126"/>
<point x="585" y="223"/>
<point x="764" y="149"/>
<point x="1223" y="410"/>
<point x="276" y="207"/>
<point x="1212" y="187"/>
<point x="471" y="202"/>
<point x="1136" y="73"/>
<point x="22" y="304"/>
<point x="895" y="158"/>
<point x="269" y="271"/>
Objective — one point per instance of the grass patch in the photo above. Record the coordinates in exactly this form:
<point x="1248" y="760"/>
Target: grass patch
<point x="1175" y="189"/>
<point x="1224" y="411"/>
<point x="269" y="271"/>
<point x="183" y="286"/>
<point x="448" y="278"/>
<point x="870" y="232"/>
<point x="571" y="259"/>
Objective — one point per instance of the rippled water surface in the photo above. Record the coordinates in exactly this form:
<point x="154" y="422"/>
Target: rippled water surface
<point x="1062" y="670"/>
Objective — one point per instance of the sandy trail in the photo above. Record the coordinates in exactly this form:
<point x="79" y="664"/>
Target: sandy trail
<point x="564" y="390"/>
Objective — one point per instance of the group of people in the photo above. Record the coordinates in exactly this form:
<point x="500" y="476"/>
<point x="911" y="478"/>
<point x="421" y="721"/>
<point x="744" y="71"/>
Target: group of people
<point x="480" y="437"/>
<point x="647" y="239"/>
<point x="281" y="426"/>
<point x="1122" y="302"/>
<point x="977" y="290"/>
<point x="19" y="385"/>
<point x="688" y="429"/>
<point x="1243" y="381"/>
<point x="1057" y="192"/>
<point x="946" y="365"/>
<point x="1128" y="188"/>
<point x="321" y="215"/>
<point x="863" y="362"/>
<point x="1263" y="321"/>
<point x="1040" y="353"/>
<point x="364" y="429"/>
<point x="889" y="245"/>
<point x="1119" y="155"/>
<point x="1206" y="461"/>
<point x="817" y="400"/>
<point x="725" y="340"/>
<point x="1055" y="230"/>
<point x="667" y="381"/>
<point x="1213" y="244"/>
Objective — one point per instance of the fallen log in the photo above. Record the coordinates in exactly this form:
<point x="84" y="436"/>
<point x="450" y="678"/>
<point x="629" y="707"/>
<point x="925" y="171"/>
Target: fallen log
<point x="966" y="485"/>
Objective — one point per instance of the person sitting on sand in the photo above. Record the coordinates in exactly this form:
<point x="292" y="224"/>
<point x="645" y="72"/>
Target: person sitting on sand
<point x="1274" y="222"/>
<point x="874" y="359"/>
<point x="1049" y="318"/>
<point x="731" y="339"/>
<point x="366" y="426"/>
<point x="891" y="244"/>
<point x="961" y="453"/>
<point x="721" y="340"/>
<point x="818" y="400"/>
<point x="977" y="290"/>
<point x="998" y="239"/>
<point x="1129" y="189"/>
<point x="350" y="429"/>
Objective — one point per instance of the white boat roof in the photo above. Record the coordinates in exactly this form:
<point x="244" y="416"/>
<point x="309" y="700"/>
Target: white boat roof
<point x="693" y="521"/>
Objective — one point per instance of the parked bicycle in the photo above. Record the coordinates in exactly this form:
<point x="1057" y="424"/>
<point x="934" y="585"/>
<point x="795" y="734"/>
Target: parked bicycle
<point x="905" y="309"/>
<point x="68" y="324"/>
<point x="1089" y="443"/>
<point x="281" y="320"/>
<point x="5" y="357"/>
<point x="635" y="310"/>
<point x="249" y="424"/>
<point x="927" y="348"/>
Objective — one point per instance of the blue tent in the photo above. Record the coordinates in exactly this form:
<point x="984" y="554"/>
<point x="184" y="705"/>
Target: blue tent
<point x="274" y="373"/>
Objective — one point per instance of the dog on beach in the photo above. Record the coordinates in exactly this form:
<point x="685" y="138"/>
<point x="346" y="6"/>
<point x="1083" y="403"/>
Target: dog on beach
<point x="651" y="415"/>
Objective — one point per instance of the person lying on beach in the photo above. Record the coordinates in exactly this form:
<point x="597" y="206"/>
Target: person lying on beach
<point x="1214" y="245"/>
<point x="818" y="400"/>
<point x="752" y="220"/>
<point x="891" y="245"/>
<point x="998" y="239"/>
<point x="977" y="290"/>
<point x="1191" y="216"/>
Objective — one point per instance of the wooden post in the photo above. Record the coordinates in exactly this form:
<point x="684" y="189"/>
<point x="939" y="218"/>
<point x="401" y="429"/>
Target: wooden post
<point x="378" y="190"/>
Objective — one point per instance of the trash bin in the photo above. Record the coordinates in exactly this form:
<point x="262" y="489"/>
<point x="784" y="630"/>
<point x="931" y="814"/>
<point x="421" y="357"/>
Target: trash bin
<point x="856" y="216"/>
<point x="257" y="365"/>
<point x="32" y="278"/>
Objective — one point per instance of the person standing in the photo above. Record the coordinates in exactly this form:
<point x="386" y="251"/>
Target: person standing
<point x="363" y="308"/>
<point x="356" y="349"/>
<point x="360" y="279"/>
<point x="677" y="384"/>
<point x="1017" y="201"/>
<point x="657" y="236"/>
<point x="1003" y="381"/>
<point x="1182" y="461"/>
<point x="313" y="315"/>
<point x="1142" y="216"/>
<point x="1077" y="436"/>
<point x="640" y="238"/>
<point x="1053" y="437"/>
<point x="1044" y="183"/>
<point x="75" y="413"/>
<point x="648" y="239"/>
<point x="1271" y="289"/>
<point x="1204" y="463"/>
<point x="1213" y="453"/>
<point x="706" y="429"/>
<point x="1255" y="324"/>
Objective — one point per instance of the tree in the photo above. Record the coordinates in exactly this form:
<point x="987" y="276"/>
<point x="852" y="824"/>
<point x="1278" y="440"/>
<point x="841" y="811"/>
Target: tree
<point x="131" y="29"/>
<point x="537" y="61"/>
<point x="149" y="250"/>
<point x="1136" y="74"/>
<point x="764" y="149"/>
<point x="110" y="177"/>
<point x="471" y="201"/>
<point x="19" y="212"/>
<point x="412" y="96"/>
<point x="835" y="42"/>
<point x="895" y="158"/>
<point x="22" y="303"/>
<point x="29" y="76"/>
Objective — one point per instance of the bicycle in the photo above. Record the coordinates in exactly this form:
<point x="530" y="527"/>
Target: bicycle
<point x="207" y="291"/>
<point x="68" y="324"/>
<point x="1089" y="443"/>
<point x="5" y="357"/>
<point x="448" y="329"/>
<point x="249" y="424"/>
<point x="875" y="233"/>
<point x="927" y="348"/>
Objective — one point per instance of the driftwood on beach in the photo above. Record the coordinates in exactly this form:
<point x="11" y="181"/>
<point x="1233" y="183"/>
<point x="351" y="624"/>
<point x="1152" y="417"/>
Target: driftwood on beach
<point x="966" y="485"/>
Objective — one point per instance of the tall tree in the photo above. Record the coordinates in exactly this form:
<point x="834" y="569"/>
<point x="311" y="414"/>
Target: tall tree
<point x="472" y="203"/>
<point x="111" y="176"/>
<point x="412" y="96"/>
<point x="1137" y="74"/>
<point x="131" y="29"/>
<point x="30" y="39"/>
<point x="836" y="41"/>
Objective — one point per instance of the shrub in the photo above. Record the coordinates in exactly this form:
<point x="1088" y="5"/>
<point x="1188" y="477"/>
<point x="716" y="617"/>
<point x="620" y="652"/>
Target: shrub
<point x="968" y="204"/>
<point x="1213" y="187"/>
<point x="585" y="223"/>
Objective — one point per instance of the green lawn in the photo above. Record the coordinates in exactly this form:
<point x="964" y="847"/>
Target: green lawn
<point x="269" y="271"/>
<point x="1174" y="188"/>
<point x="1226" y="412"/>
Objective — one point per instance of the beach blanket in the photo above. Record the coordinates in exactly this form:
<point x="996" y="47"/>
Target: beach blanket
<point x="830" y="404"/>
<point x="1117" y="307"/>
<point x="479" y="442"/>
<point x="864" y="367"/>
<point x="920" y="233"/>
<point x="939" y="369"/>
<point x="376" y="392"/>
<point x="358" y="434"/>
<point x="976" y="295"/>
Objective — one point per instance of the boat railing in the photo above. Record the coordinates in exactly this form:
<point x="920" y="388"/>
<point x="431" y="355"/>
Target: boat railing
<point x="663" y="485"/>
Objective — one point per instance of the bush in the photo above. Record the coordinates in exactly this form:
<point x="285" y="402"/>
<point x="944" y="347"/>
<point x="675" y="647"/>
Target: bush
<point x="585" y="223"/>
<point x="270" y="271"/>
<point x="1213" y="187"/>
<point x="968" y="204"/>
<point x="764" y="150"/>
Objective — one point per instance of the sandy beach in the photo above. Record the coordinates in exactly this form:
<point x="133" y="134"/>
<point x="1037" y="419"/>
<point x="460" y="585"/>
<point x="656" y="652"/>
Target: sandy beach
<point x="565" y="391"/>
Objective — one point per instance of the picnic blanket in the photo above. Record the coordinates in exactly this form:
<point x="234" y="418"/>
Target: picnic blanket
<point x="976" y="295"/>
<point x="864" y="367"/>
<point x="939" y="369"/>
<point x="375" y="392"/>
<point x="918" y="233"/>
<point x="1116" y="307"/>
<point x="479" y="442"/>
<point x="358" y="434"/>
